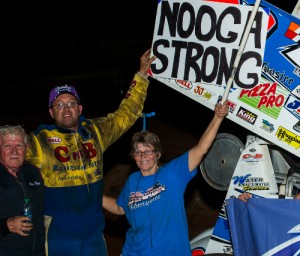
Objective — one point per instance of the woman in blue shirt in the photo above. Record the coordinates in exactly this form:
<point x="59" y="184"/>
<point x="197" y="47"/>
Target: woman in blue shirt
<point x="153" y="198"/>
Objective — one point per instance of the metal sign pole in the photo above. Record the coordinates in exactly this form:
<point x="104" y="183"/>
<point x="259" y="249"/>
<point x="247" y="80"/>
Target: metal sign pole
<point x="241" y="49"/>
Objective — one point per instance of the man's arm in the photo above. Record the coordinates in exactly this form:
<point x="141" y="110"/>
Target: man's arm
<point x="115" y="124"/>
<point x="16" y="225"/>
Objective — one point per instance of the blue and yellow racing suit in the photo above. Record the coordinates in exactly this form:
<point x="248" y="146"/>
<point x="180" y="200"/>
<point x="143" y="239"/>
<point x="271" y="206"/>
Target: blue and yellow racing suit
<point x="71" y="163"/>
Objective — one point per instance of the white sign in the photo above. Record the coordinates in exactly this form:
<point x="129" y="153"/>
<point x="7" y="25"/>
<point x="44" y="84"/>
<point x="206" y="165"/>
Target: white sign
<point x="198" y="41"/>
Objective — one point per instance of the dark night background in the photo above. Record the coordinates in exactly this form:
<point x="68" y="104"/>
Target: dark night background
<point x="96" y="47"/>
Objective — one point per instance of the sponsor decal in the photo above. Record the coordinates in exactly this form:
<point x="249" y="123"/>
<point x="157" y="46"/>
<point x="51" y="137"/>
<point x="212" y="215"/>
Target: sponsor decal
<point x="292" y="52"/>
<point x="267" y="98"/>
<point x="246" y="115"/>
<point x="297" y="126"/>
<point x="71" y="177"/>
<point x="184" y="84"/>
<point x="54" y="140"/>
<point x="250" y="183"/>
<point x="288" y="137"/>
<point x="297" y="71"/>
<point x="252" y="157"/>
<point x="64" y="168"/>
<point x="293" y="32"/>
<point x="277" y="75"/>
<point x="200" y="91"/>
<point x="296" y="90"/>
<point x="255" y="183"/>
<point x="138" y="199"/>
<point x="267" y="126"/>
<point x="232" y="106"/>
<point x="34" y="183"/>
<point x="64" y="154"/>
<point x="293" y="106"/>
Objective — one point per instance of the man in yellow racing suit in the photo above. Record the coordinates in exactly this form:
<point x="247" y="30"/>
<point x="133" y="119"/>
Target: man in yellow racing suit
<point x="69" y="154"/>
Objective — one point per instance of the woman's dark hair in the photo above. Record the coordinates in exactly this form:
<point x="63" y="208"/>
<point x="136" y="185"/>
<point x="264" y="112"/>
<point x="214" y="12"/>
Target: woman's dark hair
<point x="146" y="138"/>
